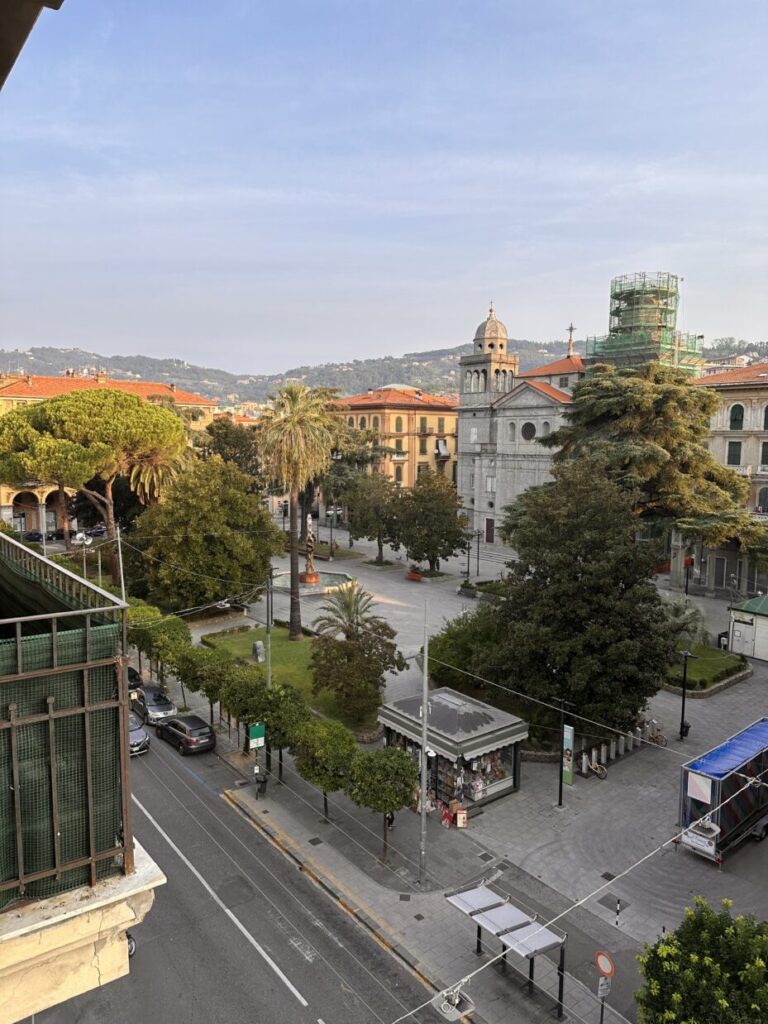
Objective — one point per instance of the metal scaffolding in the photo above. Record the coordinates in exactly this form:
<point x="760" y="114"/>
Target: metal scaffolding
<point x="643" y="325"/>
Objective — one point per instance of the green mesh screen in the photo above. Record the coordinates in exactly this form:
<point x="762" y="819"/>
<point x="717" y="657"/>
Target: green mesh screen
<point x="34" y="757"/>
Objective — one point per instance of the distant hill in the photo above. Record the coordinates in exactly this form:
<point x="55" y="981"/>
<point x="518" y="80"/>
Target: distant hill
<point x="435" y="370"/>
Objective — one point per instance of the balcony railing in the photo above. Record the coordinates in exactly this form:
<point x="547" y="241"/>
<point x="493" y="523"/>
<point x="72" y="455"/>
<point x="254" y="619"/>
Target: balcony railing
<point x="741" y="470"/>
<point x="762" y="470"/>
<point x="399" y="456"/>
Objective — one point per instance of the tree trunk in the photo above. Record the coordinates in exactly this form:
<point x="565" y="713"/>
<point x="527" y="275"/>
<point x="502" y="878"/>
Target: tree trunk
<point x="183" y="693"/>
<point x="380" y="542"/>
<point x="63" y="512"/>
<point x="280" y="765"/>
<point x="384" y="857"/>
<point x="325" y="805"/>
<point x="432" y="564"/>
<point x="109" y="522"/>
<point x="269" y="758"/>
<point x="294" y="622"/>
<point x="210" y="705"/>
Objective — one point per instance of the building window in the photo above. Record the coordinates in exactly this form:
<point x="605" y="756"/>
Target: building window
<point x="734" y="453"/>
<point x="762" y="499"/>
<point x="422" y="446"/>
<point x="737" y="417"/>
<point x="489" y="530"/>
<point x="528" y="431"/>
<point x="441" y="424"/>
<point x="398" y="444"/>
<point x="422" y="468"/>
<point x="545" y="428"/>
<point x="375" y="422"/>
<point x="351" y="421"/>
<point x="764" y="454"/>
<point x="399" y="425"/>
<point x="362" y="422"/>
<point x="473" y="435"/>
<point x="422" y="424"/>
<point x="512" y="431"/>
<point x="398" y="474"/>
<point x="471" y="481"/>
<point x="490" y="485"/>
<point x="563" y="382"/>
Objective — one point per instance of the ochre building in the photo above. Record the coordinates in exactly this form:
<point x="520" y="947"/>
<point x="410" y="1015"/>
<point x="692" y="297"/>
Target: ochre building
<point x="421" y="428"/>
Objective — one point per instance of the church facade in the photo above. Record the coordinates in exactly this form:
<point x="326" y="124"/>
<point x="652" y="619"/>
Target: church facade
<point x="503" y="414"/>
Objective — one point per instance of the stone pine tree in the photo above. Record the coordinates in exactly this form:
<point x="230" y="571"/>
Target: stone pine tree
<point x="710" y="970"/>
<point x="384" y="781"/>
<point x="648" y="428"/>
<point x="324" y="751"/>
<point x="429" y="522"/>
<point x="581" y="618"/>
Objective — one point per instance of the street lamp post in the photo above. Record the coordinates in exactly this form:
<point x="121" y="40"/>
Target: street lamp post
<point x="563" y="704"/>
<point x="685" y="726"/>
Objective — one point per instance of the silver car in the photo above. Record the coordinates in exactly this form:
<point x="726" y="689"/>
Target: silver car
<point x="153" y="705"/>
<point x="138" y="737"/>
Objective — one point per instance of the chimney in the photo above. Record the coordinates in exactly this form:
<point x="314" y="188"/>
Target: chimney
<point x="172" y="387"/>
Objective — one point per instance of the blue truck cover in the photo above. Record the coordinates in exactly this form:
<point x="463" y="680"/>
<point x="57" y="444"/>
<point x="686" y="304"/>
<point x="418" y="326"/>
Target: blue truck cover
<point x="714" y="787"/>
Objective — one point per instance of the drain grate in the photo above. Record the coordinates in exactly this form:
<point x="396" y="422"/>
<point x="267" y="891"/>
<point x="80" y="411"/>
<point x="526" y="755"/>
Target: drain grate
<point x="608" y="876"/>
<point x="404" y="897"/>
<point x="418" y="917"/>
<point x="504" y="865"/>
<point x="485" y="856"/>
<point x="315" y="841"/>
<point x="609" y="902"/>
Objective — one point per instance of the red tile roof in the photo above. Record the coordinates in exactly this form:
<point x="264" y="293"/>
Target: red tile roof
<point x="569" y="364"/>
<point x="546" y="389"/>
<point x="757" y="373"/>
<point x="399" y="398"/>
<point x="38" y="388"/>
<point x="237" y="418"/>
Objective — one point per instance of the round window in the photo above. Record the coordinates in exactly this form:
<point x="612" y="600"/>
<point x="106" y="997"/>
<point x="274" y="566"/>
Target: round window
<point x="528" y="431"/>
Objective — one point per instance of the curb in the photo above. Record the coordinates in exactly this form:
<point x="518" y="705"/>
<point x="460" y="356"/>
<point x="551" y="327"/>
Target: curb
<point x="285" y="844"/>
<point x="713" y="690"/>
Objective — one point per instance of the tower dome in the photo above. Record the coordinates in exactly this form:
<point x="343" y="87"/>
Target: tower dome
<point x="491" y="334"/>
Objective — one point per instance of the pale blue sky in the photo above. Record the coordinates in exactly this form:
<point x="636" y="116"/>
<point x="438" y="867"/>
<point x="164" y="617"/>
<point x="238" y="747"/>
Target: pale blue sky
<point x="259" y="185"/>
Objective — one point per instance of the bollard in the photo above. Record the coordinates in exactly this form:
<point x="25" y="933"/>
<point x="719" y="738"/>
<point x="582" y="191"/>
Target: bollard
<point x="638" y="735"/>
<point x="594" y="755"/>
<point x="621" y="745"/>
<point x="584" y="762"/>
<point x="603" y="753"/>
<point x="612" y="749"/>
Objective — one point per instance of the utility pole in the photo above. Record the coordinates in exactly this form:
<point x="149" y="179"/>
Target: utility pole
<point x="684" y="726"/>
<point x="268" y="645"/>
<point x="424" y="759"/>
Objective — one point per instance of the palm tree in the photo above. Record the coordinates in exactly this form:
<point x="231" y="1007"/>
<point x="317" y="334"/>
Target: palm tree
<point x="151" y="475"/>
<point x="348" y="610"/>
<point x="296" y="437"/>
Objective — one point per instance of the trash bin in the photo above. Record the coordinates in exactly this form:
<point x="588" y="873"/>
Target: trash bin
<point x="722" y="640"/>
<point x="685" y="728"/>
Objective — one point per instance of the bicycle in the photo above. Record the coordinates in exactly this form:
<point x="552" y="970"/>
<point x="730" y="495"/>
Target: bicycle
<point x="599" y="769"/>
<point x="658" y="738"/>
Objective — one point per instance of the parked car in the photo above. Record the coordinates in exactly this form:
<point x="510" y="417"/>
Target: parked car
<point x="97" y="531"/>
<point x="153" y="706"/>
<point x="190" y="734"/>
<point x="33" y="535"/>
<point x="138" y="737"/>
<point x="134" y="677"/>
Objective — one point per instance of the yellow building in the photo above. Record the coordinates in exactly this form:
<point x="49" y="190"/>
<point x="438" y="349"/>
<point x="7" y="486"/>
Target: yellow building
<point x="420" y="427"/>
<point x="34" y="506"/>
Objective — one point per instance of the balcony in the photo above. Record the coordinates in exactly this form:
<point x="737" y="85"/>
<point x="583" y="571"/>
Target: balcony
<point x="741" y="470"/>
<point x="762" y="470"/>
<point x="426" y="430"/>
<point x="399" y="456"/>
<point x="441" y="451"/>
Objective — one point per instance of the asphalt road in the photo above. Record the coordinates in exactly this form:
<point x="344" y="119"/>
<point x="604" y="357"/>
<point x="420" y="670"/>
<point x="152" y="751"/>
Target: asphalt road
<point x="238" y="934"/>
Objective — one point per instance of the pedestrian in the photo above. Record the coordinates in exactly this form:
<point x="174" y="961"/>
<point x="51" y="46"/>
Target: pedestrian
<point x="390" y="820"/>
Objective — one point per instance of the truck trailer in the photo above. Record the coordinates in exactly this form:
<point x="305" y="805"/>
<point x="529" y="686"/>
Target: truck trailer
<point x="719" y="806"/>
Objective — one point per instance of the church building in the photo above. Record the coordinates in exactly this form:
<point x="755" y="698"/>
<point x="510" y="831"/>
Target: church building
<point x="502" y="415"/>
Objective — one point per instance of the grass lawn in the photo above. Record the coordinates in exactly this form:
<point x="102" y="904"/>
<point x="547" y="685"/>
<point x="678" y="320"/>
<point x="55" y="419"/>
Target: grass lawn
<point x="290" y="664"/>
<point x="710" y="665"/>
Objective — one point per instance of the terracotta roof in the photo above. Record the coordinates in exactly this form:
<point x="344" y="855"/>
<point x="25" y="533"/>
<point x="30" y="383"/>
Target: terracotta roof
<point x="547" y="389"/>
<point x="569" y="364"/>
<point x="237" y="418"/>
<point x="757" y="373"/>
<point x="399" y="398"/>
<point x="38" y="388"/>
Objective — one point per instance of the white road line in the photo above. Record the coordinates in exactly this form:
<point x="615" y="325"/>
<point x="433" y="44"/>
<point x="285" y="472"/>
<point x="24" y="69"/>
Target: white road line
<point x="262" y="952"/>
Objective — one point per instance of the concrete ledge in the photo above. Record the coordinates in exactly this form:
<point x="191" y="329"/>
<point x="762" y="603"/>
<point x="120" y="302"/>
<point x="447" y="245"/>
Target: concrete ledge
<point x="58" y="948"/>
<point x="698" y="694"/>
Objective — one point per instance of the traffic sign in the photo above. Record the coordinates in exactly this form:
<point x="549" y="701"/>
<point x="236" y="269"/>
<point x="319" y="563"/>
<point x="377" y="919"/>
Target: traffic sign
<point x="604" y="964"/>
<point x="256" y="735"/>
<point x="603" y="987"/>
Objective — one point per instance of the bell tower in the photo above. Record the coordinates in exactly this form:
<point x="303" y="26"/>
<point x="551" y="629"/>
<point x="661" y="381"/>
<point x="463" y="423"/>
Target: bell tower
<point x="489" y="370"/>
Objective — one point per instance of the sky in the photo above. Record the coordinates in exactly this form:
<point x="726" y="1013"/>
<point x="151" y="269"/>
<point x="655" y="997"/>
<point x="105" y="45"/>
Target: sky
<point x="261" y="185"/>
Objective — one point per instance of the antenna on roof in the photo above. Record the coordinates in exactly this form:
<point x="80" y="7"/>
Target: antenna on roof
<point x="571" y="329"/>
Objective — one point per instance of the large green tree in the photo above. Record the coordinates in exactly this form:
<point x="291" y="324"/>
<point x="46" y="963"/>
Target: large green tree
<point x="210" y="538"/>
<point x="383" y="781"/>
<point x="286" y="710"/>
<point x="373" y="502"/>
<point x="648" y="428"/>
<point x="354" y="650"/>
<point x="581" y="618"/>
<point x="324" y="751"/>
<point x="203" y="670"/>
<point x="234" y="442"/>
<point x="710" y="970"/>
<point x="429" y="523"/>
<point x="296" y="437"/>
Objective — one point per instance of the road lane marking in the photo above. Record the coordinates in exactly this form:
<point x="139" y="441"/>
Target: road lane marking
<point x="238" y="924"/>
